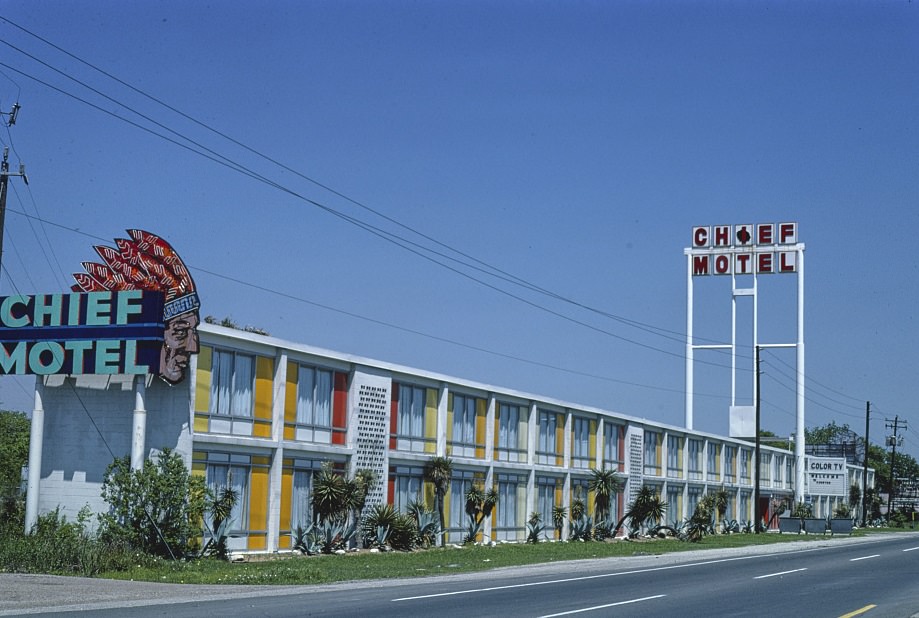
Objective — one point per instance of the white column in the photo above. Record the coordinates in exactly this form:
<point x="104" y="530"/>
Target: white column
<point x="490" y="428"/>
<point x="139" y="435"/>
<point x="799" y="438"/>
<point x="276" y="473"/>
<point x="36" y="435"/>
<point x="689" y="349"/>
<point x="442" y="420"/>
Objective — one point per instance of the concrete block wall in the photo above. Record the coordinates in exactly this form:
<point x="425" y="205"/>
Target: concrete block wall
<point x="87" y="427"/>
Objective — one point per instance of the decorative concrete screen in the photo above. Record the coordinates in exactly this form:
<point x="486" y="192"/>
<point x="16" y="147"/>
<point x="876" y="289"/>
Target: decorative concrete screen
<point x="636" y="439"/>
<point x="372" y="395"/>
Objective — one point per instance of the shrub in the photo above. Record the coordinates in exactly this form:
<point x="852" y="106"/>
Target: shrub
<point x="157" y="509"/>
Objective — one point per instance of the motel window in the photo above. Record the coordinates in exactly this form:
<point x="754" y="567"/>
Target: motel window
<point x="408" y="486"/>
<point x="714" y="462"/>
<point x="789" y="472"/>
<point x="233" y="378"/>
<point x="467" y="425"/>
<point x="674" y="502"/>
<point x="549" y="448"/>
<point x="415" y="417"/>
<point x="744" y="465"/>
<point x="743" y="513"/>
<point x="653" y="453"/>
<point x="512" y="434"/>
<point x="460" y="484"/>
<point x="764" y="468"/>
<point x="580" y="447"/>
<point x="693" y="495"/>
<point x="695" y="459"/>
<point x="612" y="435"/>
<point x="511" y="507"/>
<point x="302" y="472"/>
<point x="314" y="405"/>
<point x="777" y="470"/>
<point x="730" y="463"/>
<point x="546" y="493"/>
<point x="675" y="456"/>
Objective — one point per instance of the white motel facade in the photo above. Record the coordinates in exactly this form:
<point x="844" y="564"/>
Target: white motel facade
<point x="264" y="414"/>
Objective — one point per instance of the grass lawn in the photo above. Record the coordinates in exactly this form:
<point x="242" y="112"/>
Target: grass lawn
<point x="297" y="569"/>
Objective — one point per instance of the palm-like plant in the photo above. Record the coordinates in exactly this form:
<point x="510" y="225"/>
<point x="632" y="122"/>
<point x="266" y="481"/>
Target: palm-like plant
<point x="559" y="513"/>
<point x="604" y="484"/>
<point x="438" y="471"/>
<point x="330" y="494"/>
<point x="647" y="507"/>
<point x="479" y="506"/>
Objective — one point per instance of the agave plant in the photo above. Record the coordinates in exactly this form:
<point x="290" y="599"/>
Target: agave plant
<point x="221" y="508"/>
<point x="581" y="529"/>
<point x="426" y="524"/>
<point x="306" y="540"/>
<point x="377" y="525"/>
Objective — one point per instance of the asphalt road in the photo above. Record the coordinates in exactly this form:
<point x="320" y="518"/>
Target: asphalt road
<point x="868" y="576"/>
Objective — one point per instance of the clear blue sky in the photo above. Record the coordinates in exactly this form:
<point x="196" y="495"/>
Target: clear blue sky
<point x="571" y="144"/>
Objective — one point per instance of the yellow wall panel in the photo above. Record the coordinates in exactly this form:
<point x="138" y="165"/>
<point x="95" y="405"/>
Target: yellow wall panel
<point x="592" y="442"/>
<point x="290" y="396"/>
<point x="258" y="499"/>
<point x="261" y="430"/>
<point x="257" y="541"/>
<point x="203" y="380"/>
<point x="201" y="423"/>
<point x="287" y="491"/>
<point x="264" y="385"/>
<point x="430" y="414"/>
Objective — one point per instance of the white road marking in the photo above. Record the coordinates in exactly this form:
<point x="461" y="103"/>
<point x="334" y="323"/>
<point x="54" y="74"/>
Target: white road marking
<point x="596" y="607"/>
<point x="777" y="574"/>
<point x="601" y="576"/>
<point x="911" y="549"/>
<point x="865" y="557"/>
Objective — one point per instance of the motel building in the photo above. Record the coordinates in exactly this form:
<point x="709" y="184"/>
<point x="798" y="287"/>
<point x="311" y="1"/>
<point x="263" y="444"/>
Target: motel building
<point x="264" y="414"/>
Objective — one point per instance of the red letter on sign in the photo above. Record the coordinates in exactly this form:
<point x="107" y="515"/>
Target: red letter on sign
<point x="722" y="265"/>
<point x="764" y="233"/>
<point x="743" y="264"/>
<point x="787" y="262"/>
<point x="764" y="263"/>
<point x="700" y="237"/>
<point x="722" y="235"/>
<point x="788" y="233"/>
<point x="700" y="265"/>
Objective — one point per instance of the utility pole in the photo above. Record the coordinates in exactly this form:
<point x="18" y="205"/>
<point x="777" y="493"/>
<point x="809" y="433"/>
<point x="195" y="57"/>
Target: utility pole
<point x="865" y="469"/>
<point x="5" y="175"/>
<point x="892" y="440"/>
<point x="756" y="511"/>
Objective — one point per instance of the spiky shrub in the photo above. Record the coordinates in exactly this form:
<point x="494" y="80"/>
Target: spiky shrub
<point x="535" y="527"/>
<point x="378" y="524"/>
<point x="802" y="510"/>
<point x="842" y="510"/>
<point x="581" y="529"/>
<point x="578" y="509"/>
<point x="306" y="540"/>
<point x="220" y="507"/>
<point x="426" y="524"/>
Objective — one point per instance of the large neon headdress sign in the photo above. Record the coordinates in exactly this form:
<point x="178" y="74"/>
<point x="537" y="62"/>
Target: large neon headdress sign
<point x="146" y="262"/>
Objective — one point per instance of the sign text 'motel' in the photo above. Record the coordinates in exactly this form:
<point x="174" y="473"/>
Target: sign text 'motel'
<point x="744" y="249"/>
<point x="95" y="332"/>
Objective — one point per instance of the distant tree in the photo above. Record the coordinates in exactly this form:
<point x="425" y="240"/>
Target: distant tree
<point x="14" y="454"/>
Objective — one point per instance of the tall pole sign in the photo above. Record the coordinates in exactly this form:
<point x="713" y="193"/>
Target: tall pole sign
<point x="747" y="251"/>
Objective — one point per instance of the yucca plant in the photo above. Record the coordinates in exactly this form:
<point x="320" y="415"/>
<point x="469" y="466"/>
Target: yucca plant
<point x="535" y="527"/>
<point x="426" y="524"/>
<point x="438" y="470"/>
<point x="479" y="506"/>
<point x="604" y="484"/>
<point x="581" y="529"/>
<point x="559" y="513"/>
<point x="378" y="524"/>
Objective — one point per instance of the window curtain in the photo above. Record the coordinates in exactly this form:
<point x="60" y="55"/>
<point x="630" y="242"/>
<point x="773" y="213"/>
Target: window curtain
<point x="301" y="510"/>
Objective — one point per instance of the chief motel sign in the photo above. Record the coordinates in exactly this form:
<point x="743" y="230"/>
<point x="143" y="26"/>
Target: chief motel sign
<point x="744" y="249"/>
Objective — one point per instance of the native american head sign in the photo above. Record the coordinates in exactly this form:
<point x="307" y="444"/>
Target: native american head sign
<point x="147" y="263"/>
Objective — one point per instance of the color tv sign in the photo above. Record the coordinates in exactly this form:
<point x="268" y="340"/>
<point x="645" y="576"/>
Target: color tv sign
<point x="744" y="249"/>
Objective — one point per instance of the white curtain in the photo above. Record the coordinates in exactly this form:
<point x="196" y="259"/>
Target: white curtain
<point x="301" y="511"/>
